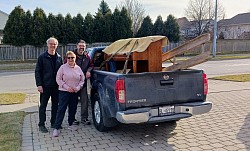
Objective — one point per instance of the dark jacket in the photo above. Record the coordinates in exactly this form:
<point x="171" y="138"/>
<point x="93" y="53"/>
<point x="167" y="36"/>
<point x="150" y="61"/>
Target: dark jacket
<point x="45" y="72"/>
<point x="86" y="64"/>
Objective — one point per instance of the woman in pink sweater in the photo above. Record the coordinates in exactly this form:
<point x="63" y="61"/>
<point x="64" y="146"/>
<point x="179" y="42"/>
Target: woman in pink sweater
<point x="70" y="79"/>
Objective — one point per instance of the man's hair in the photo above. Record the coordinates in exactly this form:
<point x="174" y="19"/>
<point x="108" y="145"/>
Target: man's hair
<point x="52" y="38"/>
<point x="81" y="41"/>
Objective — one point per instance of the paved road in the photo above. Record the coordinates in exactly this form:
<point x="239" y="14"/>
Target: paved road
<point x="225" y="67"/>
<point x="17" y="82"/>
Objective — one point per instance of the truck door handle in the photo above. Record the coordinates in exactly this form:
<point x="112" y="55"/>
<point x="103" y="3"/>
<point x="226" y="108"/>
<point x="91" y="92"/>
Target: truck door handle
<point x="167" y="82"/>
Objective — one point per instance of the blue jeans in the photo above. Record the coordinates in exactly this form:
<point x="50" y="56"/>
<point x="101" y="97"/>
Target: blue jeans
<point x="66" y="99"/>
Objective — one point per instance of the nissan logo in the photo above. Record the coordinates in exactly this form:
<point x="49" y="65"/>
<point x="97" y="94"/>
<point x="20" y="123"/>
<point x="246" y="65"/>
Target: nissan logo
<point x="165" y="77"/>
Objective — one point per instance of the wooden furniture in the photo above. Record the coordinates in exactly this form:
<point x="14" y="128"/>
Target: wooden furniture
<point x="149" y="60"/>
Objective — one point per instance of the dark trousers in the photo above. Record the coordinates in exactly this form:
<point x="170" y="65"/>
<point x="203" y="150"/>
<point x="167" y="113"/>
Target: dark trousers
<point x="66" y="99"/>
<point x="84" y="102"/>
<point x="44" y="98"/>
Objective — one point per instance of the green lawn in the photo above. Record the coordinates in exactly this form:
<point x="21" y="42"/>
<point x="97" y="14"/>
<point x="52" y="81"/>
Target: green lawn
<point x="11" y="131"/>
<point x="237" y="78"/>
<point x="11" y="123"/>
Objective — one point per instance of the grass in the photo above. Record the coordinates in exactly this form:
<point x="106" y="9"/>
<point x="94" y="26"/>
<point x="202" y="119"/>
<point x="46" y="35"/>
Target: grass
<point x="12" y="98"/>
<point x="231" y="56"/>
<point x="236" y="78"/>
<point x="11" y="123"/>
<point x="16" y="61"/>
<point x="217" y="57"/>
<point x="17" y="65"/>
<point x="11" y="130"/>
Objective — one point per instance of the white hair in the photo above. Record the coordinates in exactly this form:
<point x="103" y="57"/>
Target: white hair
<point x="52" y="39"/>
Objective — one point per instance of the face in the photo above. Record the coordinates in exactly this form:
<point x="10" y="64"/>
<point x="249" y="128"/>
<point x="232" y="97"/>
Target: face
<point x="81" y="47"/>
<point x="52" y="45"/>
<point x="71" y="59"/>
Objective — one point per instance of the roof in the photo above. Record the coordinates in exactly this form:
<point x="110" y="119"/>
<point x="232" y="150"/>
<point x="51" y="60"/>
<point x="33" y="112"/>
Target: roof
<point x="238" y="19"/>
<point x="4" y="13"/>
<point x="183" y="23"/>
<point x="3" y="19"/>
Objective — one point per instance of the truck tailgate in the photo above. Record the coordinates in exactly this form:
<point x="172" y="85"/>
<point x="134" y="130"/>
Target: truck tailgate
<point x="164" y="88"/>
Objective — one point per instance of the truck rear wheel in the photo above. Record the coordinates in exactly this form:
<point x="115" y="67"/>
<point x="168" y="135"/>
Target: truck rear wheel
<point x="98" y="114"/>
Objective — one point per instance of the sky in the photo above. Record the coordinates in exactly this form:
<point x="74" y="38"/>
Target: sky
<point x="153" y="8"/>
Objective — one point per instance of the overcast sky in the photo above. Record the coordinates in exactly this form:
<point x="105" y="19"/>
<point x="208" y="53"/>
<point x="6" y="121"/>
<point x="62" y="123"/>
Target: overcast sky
<point x="153" y="8"/>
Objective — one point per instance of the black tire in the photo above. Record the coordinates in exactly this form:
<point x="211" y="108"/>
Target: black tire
<point x="97" y="114"/>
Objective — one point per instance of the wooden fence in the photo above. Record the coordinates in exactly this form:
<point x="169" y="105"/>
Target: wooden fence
<point x="8" y="52"/>
<point x="222" y="46"/>
<point x="23" y="53"/>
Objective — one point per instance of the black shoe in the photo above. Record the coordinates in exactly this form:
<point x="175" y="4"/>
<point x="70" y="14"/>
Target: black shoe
<point x="76" y="122"/>
<point x="85" y="122"/>
<point x="43" y="129"/>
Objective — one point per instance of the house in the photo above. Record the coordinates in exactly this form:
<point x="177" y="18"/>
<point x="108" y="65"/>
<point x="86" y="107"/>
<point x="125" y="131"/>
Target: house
<point x="185" y="27"/>
<point x="3" y="19"/>
<point x="191" y="29"/>
<point x="237" y="27"/>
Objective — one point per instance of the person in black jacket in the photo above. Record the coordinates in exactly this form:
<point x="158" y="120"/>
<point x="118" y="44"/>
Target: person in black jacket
<point x="83" y="60"/>
<point x="47" y="66"/>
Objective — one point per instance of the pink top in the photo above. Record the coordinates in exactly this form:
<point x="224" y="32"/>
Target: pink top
<point x="70" y="76"/>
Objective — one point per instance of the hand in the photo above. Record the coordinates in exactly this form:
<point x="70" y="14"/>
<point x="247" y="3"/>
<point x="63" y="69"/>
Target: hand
<point x="71" y="90"/>
<point x="88" y="74"/>
<point x="40" y="89"/>
<point x="75" y="90"/>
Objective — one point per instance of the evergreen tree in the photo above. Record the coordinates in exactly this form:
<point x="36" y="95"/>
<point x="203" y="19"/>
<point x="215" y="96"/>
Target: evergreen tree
<point x="52" y="26"/>
<point x="69" y="29"/>
<point x="39" y="28"/>
<point x="117" y="25"/>
<point x="88" y="28"/>
<point x="146" y="28"/>
<point x="14" y="28"/>
<point x="107" y="28"/>
<point x="103" y="23"/>
<point x="104" y="8"/>
<point x="172" y="29"/>
<point x="121" y="27"/>
<point x="158" y="26"/>
<point x="60" y="23"/>
<point x="28" y="19"/>
<point x="78" y="22"/>
<point x="127" y="24"/>
<point x="98" y="27"/>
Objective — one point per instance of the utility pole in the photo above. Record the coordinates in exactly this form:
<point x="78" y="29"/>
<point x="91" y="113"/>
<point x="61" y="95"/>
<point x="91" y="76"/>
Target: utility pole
<point x="215" y="29"/>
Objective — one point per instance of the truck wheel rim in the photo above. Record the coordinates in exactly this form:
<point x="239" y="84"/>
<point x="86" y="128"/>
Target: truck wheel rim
<point x="97" y="112"/>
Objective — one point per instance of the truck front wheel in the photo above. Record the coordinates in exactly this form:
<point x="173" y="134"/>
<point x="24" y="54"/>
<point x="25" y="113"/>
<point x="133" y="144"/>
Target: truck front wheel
<point x="98" y="114"/>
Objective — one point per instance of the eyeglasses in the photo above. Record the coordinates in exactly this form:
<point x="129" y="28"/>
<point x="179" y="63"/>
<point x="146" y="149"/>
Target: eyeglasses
<point x="71" y="57"/>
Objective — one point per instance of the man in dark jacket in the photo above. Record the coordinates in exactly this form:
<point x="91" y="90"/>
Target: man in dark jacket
<point x="83" y="60"/>
<point x="47" y="66"/>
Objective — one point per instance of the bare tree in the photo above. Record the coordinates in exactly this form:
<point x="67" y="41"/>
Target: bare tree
<point x="201" y="15"/>
<point x="135" y="11"/>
